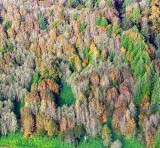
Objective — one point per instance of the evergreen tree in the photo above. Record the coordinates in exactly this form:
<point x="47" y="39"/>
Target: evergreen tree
<point x="146" y="84"/>
<point x="98" y="21"/>
<point x="74" y="3"/>
<point x="43" y="24"/>
<point x="156" y="94"/>
<point x="145" y="32"/>
<point x="140" y="43"/>
<point x="1" y="20"/>
<point x="103" y="22"/>
<point x="140" y="68"/>
<point x="158" y="54"/>
<point x="138" y="92"/>
<point x="134" y="53"/>
<point x="109" y="3"/>
<point x="90" y="3"/>
<point x="83" y="27"/>
<point x="127" y="3"/>
<point x="156" y="142"/>
<point x="126" y="23"/>
<point x="136" y="14"/>
<point x="158" y="40"/>
<point x="116" y="28"/>
<point x="136" y="58"/>
<point x="148" y="2"/>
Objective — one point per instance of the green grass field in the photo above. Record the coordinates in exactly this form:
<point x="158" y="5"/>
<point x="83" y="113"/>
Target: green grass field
<point x="66" y="96"/>
<point x="16" y="140"/>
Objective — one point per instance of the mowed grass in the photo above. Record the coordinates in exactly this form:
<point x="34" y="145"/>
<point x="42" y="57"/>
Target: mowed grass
<point x="16" y="140"/>
<point x="91" y="143"/>
<point x="66" y="96"/>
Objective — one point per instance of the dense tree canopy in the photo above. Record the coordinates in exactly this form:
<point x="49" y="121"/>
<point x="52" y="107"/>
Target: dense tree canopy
<point x="79" y="72"/>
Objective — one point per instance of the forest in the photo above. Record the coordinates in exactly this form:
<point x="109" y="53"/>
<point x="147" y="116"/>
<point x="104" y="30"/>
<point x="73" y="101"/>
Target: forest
<point x="79" y="74"/>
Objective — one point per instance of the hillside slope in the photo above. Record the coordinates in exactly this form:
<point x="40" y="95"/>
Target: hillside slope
<point x="80" y="71"/>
